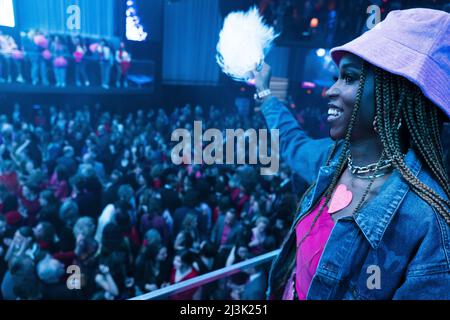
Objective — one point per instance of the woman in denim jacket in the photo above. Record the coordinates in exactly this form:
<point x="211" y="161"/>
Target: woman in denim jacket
<point x="374" y="223"/>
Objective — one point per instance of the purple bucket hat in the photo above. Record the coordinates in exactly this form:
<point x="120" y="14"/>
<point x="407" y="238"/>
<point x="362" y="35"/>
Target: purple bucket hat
<point x="411" y="43"/>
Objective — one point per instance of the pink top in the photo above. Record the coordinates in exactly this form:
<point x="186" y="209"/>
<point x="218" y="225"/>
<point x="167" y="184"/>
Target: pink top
<point x="310" y="251"/>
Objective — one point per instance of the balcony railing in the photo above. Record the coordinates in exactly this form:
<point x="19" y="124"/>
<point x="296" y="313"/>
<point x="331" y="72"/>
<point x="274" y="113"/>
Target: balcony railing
<point x="207" y="278"/>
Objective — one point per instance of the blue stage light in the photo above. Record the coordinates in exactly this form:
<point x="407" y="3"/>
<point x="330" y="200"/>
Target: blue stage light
<point x="321" y="52"/>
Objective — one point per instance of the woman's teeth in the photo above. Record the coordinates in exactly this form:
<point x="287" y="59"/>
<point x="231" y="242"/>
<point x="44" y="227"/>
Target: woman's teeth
<point x="334" y="113"/>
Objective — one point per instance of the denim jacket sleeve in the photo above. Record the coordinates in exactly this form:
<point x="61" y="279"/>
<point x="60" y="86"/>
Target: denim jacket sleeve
<point x="302" y="153"/>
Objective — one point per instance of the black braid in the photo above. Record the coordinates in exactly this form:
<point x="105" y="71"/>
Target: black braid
<point x="397" y="98"/>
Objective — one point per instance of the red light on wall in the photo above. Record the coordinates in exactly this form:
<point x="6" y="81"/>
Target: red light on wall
<point x="314" y="23"/>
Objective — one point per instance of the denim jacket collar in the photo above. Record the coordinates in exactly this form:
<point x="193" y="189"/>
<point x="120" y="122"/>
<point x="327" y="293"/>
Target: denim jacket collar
<point x="374" y="219"/>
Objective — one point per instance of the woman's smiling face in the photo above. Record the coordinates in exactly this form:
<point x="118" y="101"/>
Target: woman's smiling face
<point x="342" y="99"/>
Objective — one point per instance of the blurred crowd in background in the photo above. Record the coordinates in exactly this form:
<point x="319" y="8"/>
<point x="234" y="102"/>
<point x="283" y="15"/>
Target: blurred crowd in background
<point x="90" y="188"/>
<point x="41" y="58"/>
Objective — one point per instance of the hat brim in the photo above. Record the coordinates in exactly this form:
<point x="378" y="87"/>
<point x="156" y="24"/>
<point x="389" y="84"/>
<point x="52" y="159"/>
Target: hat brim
<point x="394" y="57"/>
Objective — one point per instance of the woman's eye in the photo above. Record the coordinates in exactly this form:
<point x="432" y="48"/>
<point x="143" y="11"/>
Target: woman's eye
<point x="348" y="79"/>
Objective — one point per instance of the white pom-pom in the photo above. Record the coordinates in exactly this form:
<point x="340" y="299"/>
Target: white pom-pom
<point x="244" y="43"/>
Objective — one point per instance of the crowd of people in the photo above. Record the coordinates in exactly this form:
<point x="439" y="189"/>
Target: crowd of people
<point x="35" y="53"/>
<point x="97" y="190"/>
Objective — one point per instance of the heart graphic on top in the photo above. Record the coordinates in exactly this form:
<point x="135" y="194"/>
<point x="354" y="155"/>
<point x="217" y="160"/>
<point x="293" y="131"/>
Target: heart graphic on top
<point x="341" y="199"/>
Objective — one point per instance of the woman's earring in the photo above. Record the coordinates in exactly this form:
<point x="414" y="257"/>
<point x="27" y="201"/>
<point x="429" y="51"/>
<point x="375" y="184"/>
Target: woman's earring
<point x="399" y="125"/>
<point x="375" y="123"/>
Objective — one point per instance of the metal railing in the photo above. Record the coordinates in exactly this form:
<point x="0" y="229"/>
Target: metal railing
<point x="208" y="277"/>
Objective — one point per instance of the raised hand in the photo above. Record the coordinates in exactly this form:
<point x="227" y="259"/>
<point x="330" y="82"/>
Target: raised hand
<point x="262" y="77"/>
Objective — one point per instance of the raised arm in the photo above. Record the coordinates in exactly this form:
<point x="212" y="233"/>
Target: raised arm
<point x="302" y="153"/>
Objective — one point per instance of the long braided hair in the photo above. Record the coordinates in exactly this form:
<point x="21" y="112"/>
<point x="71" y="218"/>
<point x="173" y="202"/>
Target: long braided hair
<point x="399" y="101"/>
